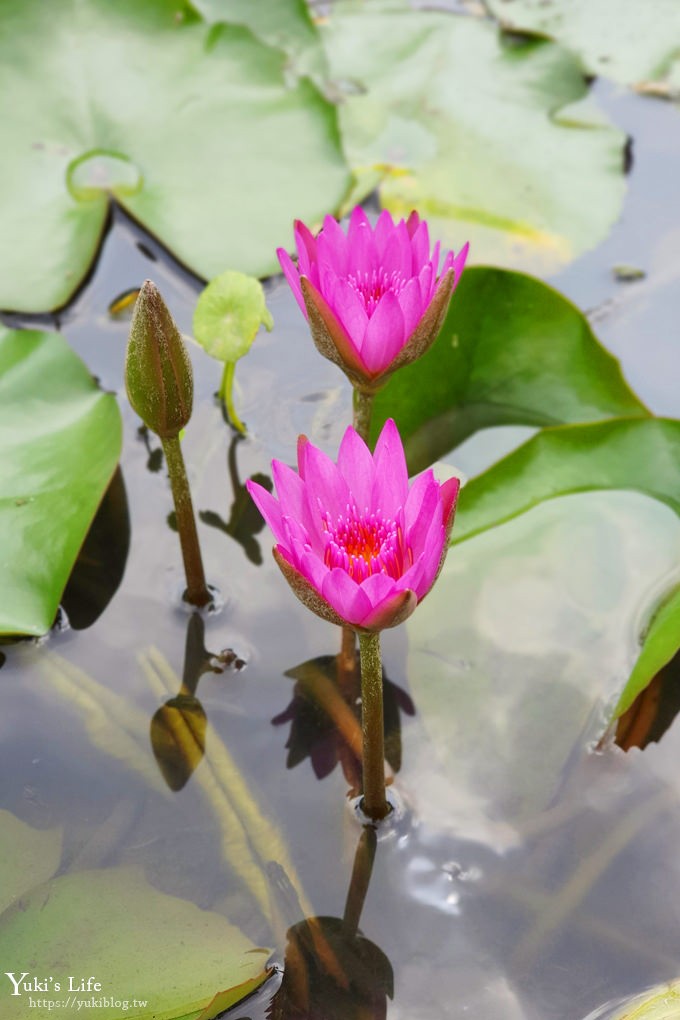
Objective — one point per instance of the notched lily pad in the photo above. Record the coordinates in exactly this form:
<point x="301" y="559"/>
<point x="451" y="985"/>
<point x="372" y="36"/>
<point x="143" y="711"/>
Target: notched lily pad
<point x="629" y="42"/>
<point x="185" y="125"/>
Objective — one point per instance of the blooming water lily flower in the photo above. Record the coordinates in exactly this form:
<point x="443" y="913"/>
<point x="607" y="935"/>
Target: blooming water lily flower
<point x="375" y="298"/>
<point x="357" y="544"/>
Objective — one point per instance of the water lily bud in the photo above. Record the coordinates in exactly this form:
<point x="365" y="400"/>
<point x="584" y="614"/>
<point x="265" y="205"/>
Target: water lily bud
<point x="158" y="375"/>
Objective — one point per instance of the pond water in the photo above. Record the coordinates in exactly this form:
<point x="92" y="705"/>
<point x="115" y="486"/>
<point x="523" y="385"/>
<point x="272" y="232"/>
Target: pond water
<point x="525" y="875"/>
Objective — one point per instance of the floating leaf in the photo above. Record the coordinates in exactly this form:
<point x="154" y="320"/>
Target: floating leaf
<point x="140" y="944"/>
<point x="285" y="23"/>
<point x="642" y="455"/>
<point x="228" y="316"/>
<point x="489" y="138"/>
<point x="628" y="42"/>
<point x="660" y="643"/>
<point x="512" y="351"/>
<point x="61" y="438"/>
<point x="186" y="126"/>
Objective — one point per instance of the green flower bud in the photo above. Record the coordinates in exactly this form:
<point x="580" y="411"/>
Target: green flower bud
<point x="158" y="375"/>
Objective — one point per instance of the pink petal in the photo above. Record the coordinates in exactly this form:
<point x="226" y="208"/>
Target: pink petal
<point x="350" y="311"/>
<point x="412" y="307"/>
<point x="396" y="608"/>
<point x="332" y="247"/>
<point x="312" y="567"/>
<point x="420" y="248"/>
<point x="302" y="445"/>
<point x="326" y="488"/>
<point x="306" y="246"/>
<point x="384" y="229"/>
<point x="435" y="257"/>
<point x="292" y="494"/>
<point x="397" y="257"/>
<point x="293" y="277"/>
<point x="427" y="281"/>
<point x="422" y="504"/>
<point x="449" y="495"/>
<point x="269" y="508"/>
<point x="356" y="465"/>
<point x="384" y="336"/>
<point x="431" y="555"/>
<point x="345" y="596"/>
<point x="378" y="587"/>
<point x="413" y="578"/>
<point x="412" y="223"/>
<point x="459" y="261"/>
<point x="390" y="487"/>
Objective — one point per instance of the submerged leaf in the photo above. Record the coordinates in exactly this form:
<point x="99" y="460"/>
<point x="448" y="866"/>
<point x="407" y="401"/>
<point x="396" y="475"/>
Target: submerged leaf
<point x="61" y="438"/>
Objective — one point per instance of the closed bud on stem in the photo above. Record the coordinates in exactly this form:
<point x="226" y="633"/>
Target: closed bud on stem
<point x="158" y="375"/>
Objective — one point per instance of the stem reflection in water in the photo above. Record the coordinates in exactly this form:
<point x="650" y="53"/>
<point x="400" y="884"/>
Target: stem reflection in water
<point x="331" y="970"/>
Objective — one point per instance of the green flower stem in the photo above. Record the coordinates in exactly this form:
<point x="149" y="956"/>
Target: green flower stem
<point x="227" y="396"/>
<point x="374" y="803"/>
<point x="197" y="591"/>
<point x="363" y="408"/>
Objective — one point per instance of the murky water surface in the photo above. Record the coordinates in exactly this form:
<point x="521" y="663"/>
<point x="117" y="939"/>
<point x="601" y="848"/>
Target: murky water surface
<point x="524" y="876"/>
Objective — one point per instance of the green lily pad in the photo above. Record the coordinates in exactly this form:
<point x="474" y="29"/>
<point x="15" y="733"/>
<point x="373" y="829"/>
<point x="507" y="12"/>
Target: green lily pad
<point x="660" y="643"/>
<point x="228" y="315"/>
<point x="642" y="455"/>
<point x="61" y="438"/>
<point x="192" y="129"/>
<point x="629" y="42"/>
<point x="512" y="351"/>
<point x="162" y="956"/>
<point x="286" y="24"/>
<point x="485" y="136"/>
<point x="507" y="697"/>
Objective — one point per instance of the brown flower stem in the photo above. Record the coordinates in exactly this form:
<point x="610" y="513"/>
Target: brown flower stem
<point x="363" y="408"/>
<point x="197" y="591"/>
<point x="361" y="876"/>
<point x="374" y="803"/>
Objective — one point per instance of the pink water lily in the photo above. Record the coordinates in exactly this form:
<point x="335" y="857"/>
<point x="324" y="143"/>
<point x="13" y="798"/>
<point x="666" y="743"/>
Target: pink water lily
<point x="355" y="542"/>
<point x="376" y="298"/>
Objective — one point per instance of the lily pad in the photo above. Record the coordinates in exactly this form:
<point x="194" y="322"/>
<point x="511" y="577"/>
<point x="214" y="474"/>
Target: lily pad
<point x="642" y="455"/>
<point x="512" y="351"/>
<point x="491" y="139"/>
<point x="228" y="315"/>
<point x="661" y="642"/>
<point x="628" y="42"/>
<point x="192" y="129"/>
<point x="61" y="438"/>
<point x="286" y="24"/>
<point x="161" y="956"/>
